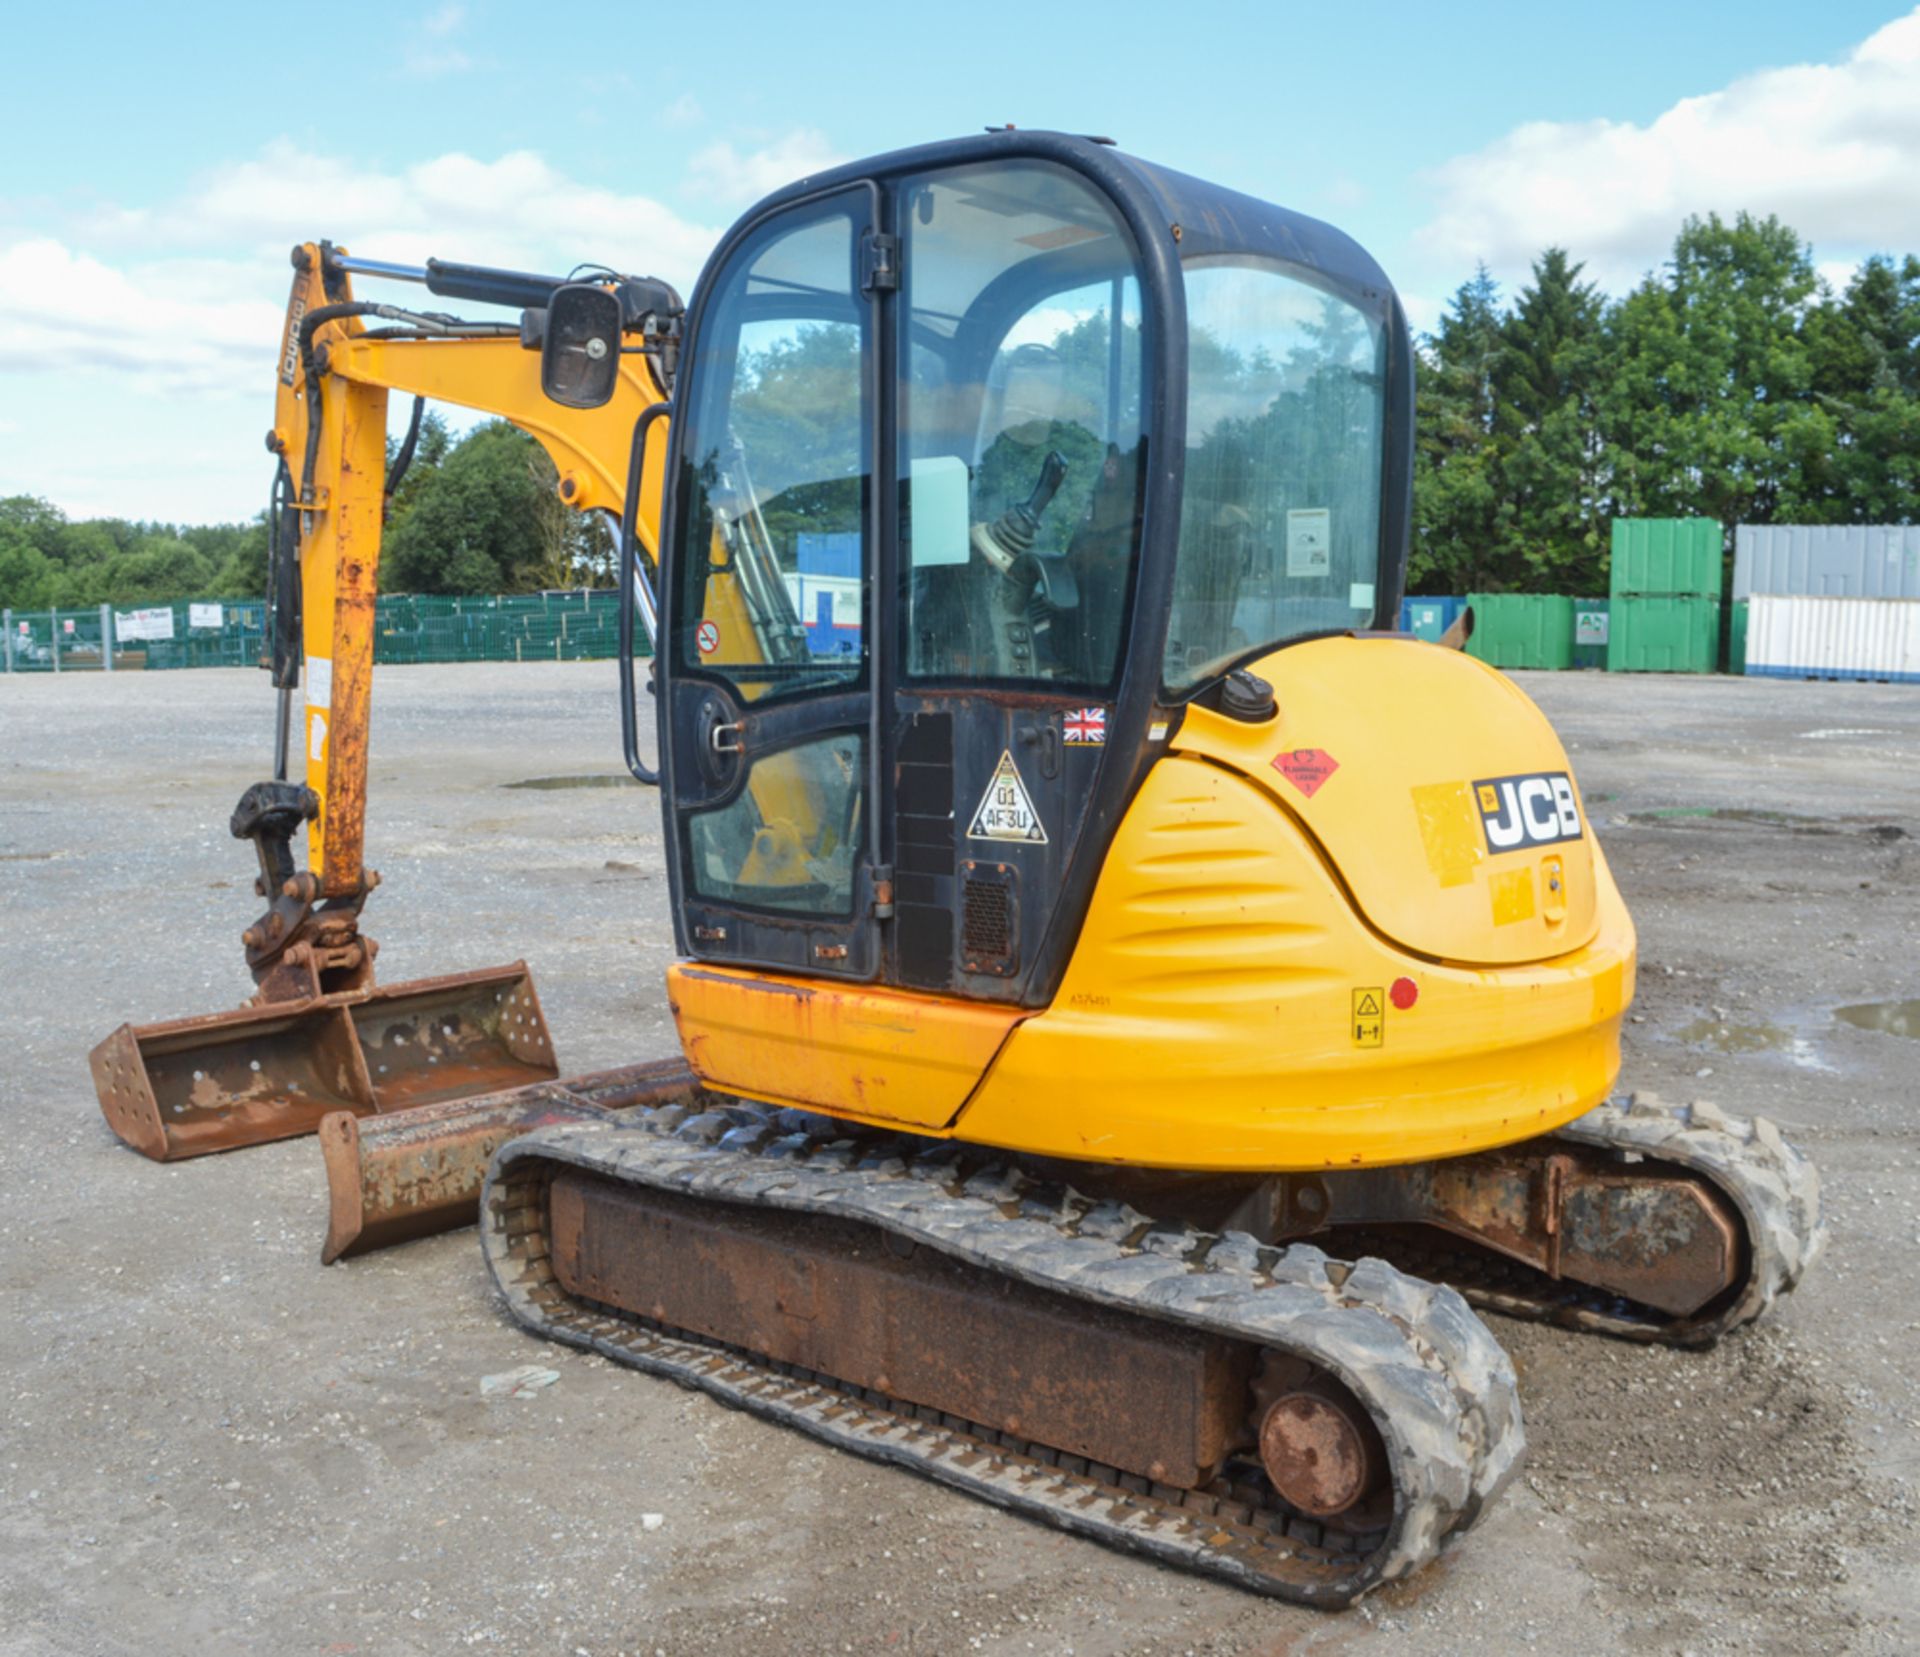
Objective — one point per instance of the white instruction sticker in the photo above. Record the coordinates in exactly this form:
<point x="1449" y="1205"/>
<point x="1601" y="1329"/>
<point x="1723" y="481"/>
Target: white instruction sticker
<point x="1309" y="541"/>
<point x="937" y="517"/>
<point x="1360" y="595"/>
<point x="1005" y="812"/>
<point x="319" y="681"/>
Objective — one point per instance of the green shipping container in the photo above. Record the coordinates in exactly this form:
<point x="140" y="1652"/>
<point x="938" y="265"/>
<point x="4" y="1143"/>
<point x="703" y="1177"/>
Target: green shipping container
<point x="1737" y="637"/>
<point x="1663" y="635"/>
<point x="1590" y="624"/>
<point x="1666" y="556"/>
<point x="1522" y="629"/>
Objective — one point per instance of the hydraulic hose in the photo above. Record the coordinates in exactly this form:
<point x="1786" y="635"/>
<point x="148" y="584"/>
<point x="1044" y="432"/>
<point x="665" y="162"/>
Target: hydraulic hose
<point x="404" y="458"/>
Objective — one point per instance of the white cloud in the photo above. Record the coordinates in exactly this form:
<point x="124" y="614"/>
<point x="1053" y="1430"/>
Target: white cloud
<point x="517" y="210"/>
<point x="433" y="52"/>
<point x="1423" y="313"/>
<point x="175" y="309"/>
<point x="1833" y="149"/>
<point x="185" y="327"/>
<point x="723" y="174"/>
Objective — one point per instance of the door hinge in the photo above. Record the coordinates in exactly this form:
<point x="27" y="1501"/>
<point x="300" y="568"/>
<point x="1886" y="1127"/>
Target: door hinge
<point x="879" y="262"/>
<point x="883" y="892"/>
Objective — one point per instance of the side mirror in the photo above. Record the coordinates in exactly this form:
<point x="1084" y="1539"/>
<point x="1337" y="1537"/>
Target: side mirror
<point x="580" y="355"/>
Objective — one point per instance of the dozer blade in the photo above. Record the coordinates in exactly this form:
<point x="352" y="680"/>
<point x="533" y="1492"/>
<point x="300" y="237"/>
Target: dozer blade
<point x="418" y="1172"/>
<point x="197" y="1085"/>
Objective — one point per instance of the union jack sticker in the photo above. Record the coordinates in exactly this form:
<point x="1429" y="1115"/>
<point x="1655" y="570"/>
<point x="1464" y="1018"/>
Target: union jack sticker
<point x="1084" y="727"/>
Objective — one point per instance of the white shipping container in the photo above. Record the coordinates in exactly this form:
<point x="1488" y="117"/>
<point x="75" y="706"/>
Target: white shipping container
<point x="1833" y="638"/>
<point x="1826" y="560"/>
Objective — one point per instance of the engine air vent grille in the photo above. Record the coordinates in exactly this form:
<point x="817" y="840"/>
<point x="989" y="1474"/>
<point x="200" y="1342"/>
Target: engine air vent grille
<point x="989" y="921"/>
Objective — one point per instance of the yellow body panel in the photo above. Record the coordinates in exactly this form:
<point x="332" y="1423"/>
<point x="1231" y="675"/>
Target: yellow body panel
<point x="877" y="1055"/>
<point x="1231" y="1002"/>
<point x="1226" y="1009"/>
<point x="1412" y="727"/>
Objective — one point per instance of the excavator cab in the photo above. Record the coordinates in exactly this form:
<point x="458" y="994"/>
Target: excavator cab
<point x="933" y="592"/>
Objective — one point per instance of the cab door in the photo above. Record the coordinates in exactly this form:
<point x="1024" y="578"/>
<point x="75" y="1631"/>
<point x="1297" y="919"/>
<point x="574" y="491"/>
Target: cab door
<point x="766" y="663"/>
<point x="1021" y="464"/>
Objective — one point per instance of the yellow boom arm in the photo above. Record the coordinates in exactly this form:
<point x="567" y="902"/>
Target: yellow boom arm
<point x="342" y="500"/>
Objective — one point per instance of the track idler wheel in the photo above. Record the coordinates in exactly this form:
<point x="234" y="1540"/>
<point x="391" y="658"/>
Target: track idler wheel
<point x="1321" y="1451"/>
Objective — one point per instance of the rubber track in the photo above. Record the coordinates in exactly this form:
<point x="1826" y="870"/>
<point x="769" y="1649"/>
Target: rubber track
<point x="1433" y="1378"/>
<point x="1773" y="1187"/>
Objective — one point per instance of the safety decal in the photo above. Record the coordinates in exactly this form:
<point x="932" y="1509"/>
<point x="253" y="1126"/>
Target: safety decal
<point x="1306" y="768"/>
<point x="1537" y="809"/>
<point x="1369" y="1017"/>
<point x="1084" y="727"/>
<point x="1005" y="812"/>
<point x="708" y="637"/>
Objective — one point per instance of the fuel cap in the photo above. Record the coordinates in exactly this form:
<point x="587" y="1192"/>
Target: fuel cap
<point x="1246" y="696"/>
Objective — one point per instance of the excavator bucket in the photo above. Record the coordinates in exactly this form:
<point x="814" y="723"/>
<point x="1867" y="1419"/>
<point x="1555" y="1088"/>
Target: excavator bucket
<point x="197" y="1085"/>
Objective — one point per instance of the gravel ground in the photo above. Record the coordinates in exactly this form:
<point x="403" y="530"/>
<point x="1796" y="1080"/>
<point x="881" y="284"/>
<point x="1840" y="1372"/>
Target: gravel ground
<point x="212" y="1445"/>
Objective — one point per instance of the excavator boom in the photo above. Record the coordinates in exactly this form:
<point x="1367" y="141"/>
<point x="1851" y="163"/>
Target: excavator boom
<point x="320" y="1034"/>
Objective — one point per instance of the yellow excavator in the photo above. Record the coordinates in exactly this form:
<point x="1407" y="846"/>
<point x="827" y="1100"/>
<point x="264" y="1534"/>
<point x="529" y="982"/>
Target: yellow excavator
<point x="1141" y="1003"/>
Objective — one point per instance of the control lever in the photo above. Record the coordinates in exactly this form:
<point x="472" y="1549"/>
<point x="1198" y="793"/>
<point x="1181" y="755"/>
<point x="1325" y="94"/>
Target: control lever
<point x="1002" y="542"/>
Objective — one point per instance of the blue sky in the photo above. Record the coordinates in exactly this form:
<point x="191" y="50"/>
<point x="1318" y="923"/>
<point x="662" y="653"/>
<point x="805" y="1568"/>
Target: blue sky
<point x="155" y="163"/>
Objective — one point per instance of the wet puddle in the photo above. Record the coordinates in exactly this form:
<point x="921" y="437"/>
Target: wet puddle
<point x="596" y="779"/>
<point x="1893" y="1018"/>
<point x="1724" y="1037"/>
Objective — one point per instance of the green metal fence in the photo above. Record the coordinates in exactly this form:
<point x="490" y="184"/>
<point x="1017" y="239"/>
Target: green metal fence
<point x="515" y="627"/>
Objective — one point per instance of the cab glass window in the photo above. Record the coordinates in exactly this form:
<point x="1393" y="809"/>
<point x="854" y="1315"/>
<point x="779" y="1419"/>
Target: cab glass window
<point x="1021" y="438"/>
<point x="773" y="575"/>
<point x="789" y="840"/>
<point x="1280" y="511"/>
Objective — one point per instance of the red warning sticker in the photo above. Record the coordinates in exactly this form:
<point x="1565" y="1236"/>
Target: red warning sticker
<point x="708" y="637"/>
<point x="1306" y="768"/>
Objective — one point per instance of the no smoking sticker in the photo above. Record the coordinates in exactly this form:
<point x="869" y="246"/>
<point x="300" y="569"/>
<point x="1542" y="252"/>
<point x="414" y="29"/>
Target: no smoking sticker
<point x="708" y="637"/>
<point x="1369" y="1024"/>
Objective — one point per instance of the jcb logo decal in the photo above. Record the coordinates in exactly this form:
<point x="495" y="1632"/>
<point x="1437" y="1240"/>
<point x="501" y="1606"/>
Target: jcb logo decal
<point x="1534" y="810"/>
<point x="290" y="345"/>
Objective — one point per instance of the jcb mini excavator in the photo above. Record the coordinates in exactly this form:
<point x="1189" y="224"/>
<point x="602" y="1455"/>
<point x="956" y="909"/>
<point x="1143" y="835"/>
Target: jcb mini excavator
<point x="1090" y="912"/>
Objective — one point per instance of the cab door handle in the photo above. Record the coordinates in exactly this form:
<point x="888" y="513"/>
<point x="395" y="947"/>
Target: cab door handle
<point x="1046" y="738"/>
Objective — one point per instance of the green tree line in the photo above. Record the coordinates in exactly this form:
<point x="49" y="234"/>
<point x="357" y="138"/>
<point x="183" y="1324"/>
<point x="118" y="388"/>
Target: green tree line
<point x="479" y="515"/>
<point x="1732" y="383"/>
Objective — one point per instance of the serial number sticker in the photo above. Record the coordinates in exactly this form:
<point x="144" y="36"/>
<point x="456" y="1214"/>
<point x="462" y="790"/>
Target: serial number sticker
<point x="1005" y="811"/>
<point x="1536" y="809"/>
